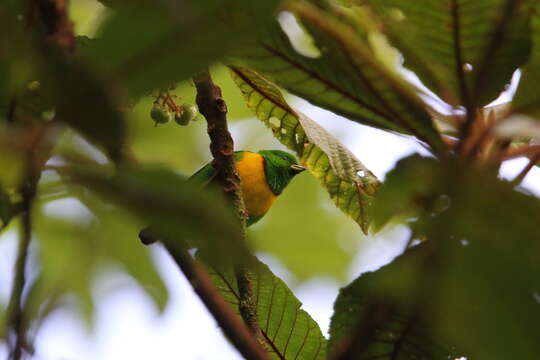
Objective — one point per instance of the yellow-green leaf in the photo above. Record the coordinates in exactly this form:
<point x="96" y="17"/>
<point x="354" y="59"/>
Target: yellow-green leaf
<point x="288" y="331"/>
<point x="350" y="184"/>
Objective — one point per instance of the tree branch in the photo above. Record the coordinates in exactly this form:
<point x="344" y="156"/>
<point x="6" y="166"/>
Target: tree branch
<point x="213" y="107"/>
<point x="232" y="326"/>
<point x="54" y="16"/>
<point x="15" y="307"/>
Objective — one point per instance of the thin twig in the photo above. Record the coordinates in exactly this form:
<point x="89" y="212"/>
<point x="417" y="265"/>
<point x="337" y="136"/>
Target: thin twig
<point x="239" y="335"/>
<point x="53" y="15"/>
<point x="532" y="162"/>
<point x="509" y="154"/>
<point x="15" y="307"/>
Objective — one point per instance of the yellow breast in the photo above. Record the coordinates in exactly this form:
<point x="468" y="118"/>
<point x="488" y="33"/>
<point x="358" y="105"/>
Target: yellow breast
<point x="258" y="197"/>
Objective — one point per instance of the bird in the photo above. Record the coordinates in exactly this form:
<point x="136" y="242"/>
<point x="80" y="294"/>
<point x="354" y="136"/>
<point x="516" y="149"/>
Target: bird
<point x="264" y="175"/>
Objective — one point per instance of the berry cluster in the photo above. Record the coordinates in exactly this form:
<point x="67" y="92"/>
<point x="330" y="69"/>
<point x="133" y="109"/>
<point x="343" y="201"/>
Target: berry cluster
<point x="165" y="109"/>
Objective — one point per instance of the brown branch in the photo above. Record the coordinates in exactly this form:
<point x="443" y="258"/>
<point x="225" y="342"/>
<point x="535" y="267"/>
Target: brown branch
<point x="239" y="335"/>
<point x="213" y="107"/>
<point x="532" y="162"/>
<point x="509" y="154"/>
<point x="57" y="25"/>
<point x="53" y="15"/>
<point x="15" y="308"/>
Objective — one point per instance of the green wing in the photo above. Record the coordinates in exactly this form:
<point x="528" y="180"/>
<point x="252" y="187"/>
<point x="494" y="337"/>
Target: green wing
<point x="207" y="173"/>
<point x="204" y="175"/>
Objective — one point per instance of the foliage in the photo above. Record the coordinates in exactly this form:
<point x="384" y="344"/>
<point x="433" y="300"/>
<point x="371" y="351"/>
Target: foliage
<point x="86" y="109"/>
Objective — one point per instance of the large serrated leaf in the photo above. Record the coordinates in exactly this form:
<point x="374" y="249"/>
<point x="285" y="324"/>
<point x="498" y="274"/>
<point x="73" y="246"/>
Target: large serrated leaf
<point x="465" y="51"/>
<point x="350" y="184"/>
<point x="382" y="307"/>
<point x="289" y="332"/>
<point x="346" y="79"/>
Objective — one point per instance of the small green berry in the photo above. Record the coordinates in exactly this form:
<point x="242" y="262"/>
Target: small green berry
<point x="160" y="114"/>
<point x="189" y="113"/>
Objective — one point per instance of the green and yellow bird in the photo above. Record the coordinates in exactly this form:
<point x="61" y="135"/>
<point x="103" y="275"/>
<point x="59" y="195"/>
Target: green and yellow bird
<point x="264" y="176"/>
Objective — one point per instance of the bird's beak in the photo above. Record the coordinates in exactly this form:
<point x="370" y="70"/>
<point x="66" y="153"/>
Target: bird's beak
<point x="297" y="169"/>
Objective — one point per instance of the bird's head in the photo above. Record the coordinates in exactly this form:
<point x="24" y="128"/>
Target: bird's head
<point x="280" y="167"/>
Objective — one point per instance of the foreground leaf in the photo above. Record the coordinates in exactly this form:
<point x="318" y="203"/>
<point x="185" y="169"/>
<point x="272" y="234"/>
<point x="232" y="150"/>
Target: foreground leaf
<point x="350" y="184"/>
<point x="382" y="312"/>
<point x="289" y="331"/>
<point x="483" y="271"/>
<point x="466" y="52"/>
<point x="177" y="210"/>
<point x="527" y="97"/>
<point x="167" y="31"/>
<point x="411" y="190"/>
<point x="347" y="79"/>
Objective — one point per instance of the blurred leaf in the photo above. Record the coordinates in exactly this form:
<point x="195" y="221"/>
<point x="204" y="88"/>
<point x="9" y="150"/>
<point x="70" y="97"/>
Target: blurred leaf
<point x="174" y="40"/>
<point x="484" y="269"/>
<point x="175" y="209"/>
<point x="350" y="184"/>
<point x="347" y="79"/>
<point x="87" y="103"/>
<point x="289" y="332"/>
<point x="527" y="97"/>
<point x="488" y="283"/>
<point x="380" y="311"/>
<point x="410" y="190"/>
<point x="463" y="51"/>
<point x="68" y="261"/>
<point x="115" y="232"/>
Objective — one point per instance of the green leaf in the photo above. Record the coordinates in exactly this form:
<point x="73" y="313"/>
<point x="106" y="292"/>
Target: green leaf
<point x="483" y="272"/>
<point x="88" y="104"/>
<point x="464" y="51"/>
<point x="68" y="261"/>
<point x="381" y="311"/>
<point x="527" y="97"/>
<point x="176" y="210"/>
<point x="289" y="331"/>
<point x="410" y="190"/>
<point x="115" y="233"/>
<point x="174" y="40"/>
<point x="350" y="184"/>
<point x="490" y="282"/>
<point x="347" y="79"/>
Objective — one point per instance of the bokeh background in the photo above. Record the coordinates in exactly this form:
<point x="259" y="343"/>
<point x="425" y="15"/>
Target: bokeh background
<point x="304" y="239"/>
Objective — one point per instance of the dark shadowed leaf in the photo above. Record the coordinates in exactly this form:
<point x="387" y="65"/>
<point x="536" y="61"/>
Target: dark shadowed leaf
<point x="480" y="285"/>
<point x="489" y="283"/>
<point x="350" y="184"/>
<point x="289" y="331"/>
<point x="347" y="78"/>
<point x="146" y="45"/>
<point x="382" y="311"/>
<point x="174" y="208"/>
<point x="410" y="190"/>
<point x="527" y="98"/>
<point x="465" y="51"/>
